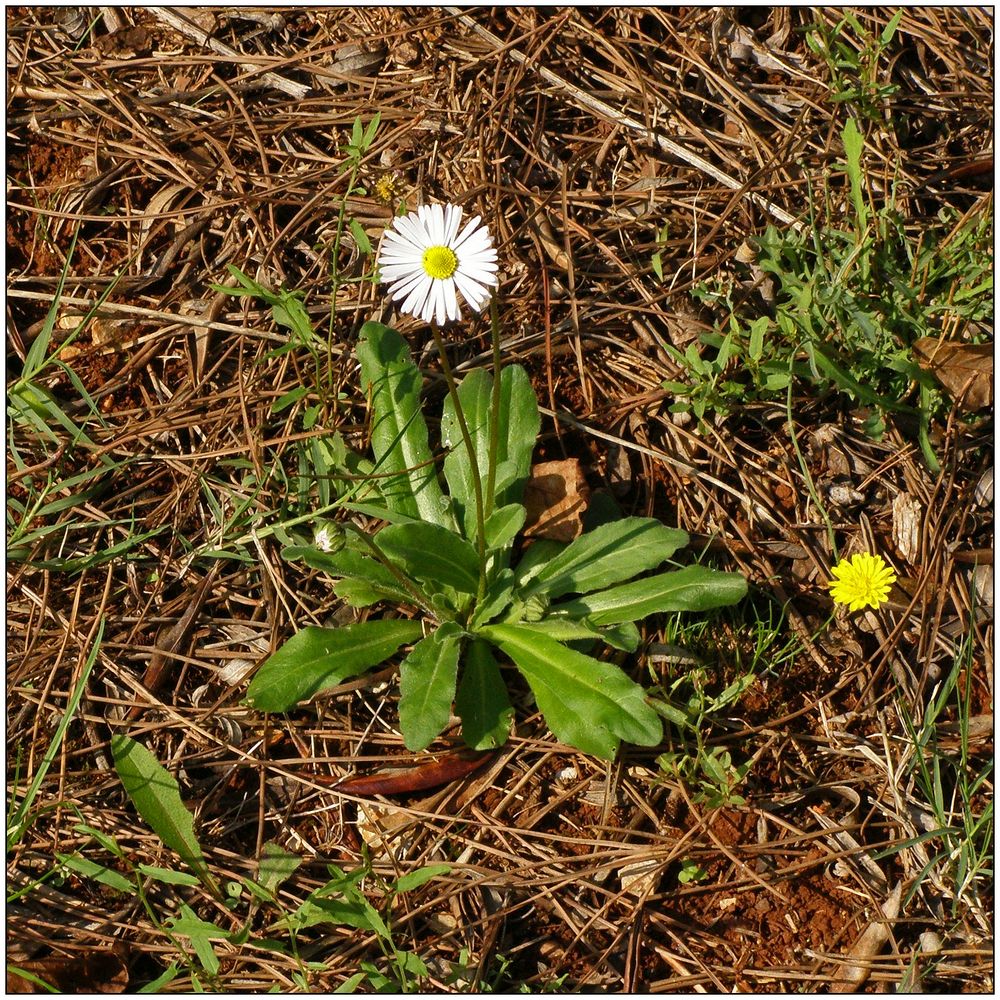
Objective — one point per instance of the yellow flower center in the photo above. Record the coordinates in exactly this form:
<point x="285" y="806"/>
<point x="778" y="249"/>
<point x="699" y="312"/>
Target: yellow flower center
<point x="440" y="262"/>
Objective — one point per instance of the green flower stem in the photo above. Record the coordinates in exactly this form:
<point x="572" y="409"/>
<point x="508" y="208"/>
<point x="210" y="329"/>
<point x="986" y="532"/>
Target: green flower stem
<point x="467" y="438"/>
<point x="419" y="597"/>
<point x="491" y="476"/>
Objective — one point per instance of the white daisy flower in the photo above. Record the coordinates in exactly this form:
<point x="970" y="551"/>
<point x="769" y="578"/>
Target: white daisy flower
<point x="427" y="260"/>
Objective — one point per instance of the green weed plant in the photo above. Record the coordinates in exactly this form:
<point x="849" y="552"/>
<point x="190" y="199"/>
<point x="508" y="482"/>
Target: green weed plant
<point x="448" y="550"/>
<point x="851" y="297"/>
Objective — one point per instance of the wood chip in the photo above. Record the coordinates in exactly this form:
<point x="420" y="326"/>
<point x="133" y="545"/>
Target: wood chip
<point x="871" y="942"/>
<point x="907" y="515"/>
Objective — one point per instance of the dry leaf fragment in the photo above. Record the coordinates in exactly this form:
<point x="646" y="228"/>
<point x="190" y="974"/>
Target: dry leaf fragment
<point x="556" y="497"/>
<point x="358" y="59"/>
<point x="640" y="878"/>
<point x="868" y="945"/>
<point x="406" y="781"/>
<point x="965" y="370"/>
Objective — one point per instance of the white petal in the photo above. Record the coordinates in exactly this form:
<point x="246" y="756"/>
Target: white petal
<point x="416" y="300"/>
<point x="436" y="303"/>
<point x="395" y="277"/>
<point x="407" y="253"/>
<point x="478" y="274"/>
<point x="452" y="218"/>
<point x="470" y="228"/>
<point x="427" y="311"/>
<point x="450" y="298"/>
<point x="469" y="252"/>
<point x="438" y="231"/>
<point x="391" y="271"/>
<point x="403" y="286"/>
<point x="401" y="251"/>
<point x="472" y="292"/>
<point x="412" y="263"/>
<point x="427" y="219"/>
<point x="413" y="231"/>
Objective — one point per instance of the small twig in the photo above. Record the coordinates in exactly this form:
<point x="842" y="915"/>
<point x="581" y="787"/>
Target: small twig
<point x="169" y="642"/>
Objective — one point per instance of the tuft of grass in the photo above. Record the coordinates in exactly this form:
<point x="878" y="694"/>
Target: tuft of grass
<point x="955" y="789"/>
<point x="844" y="307"/>
<point x="711" y="664"/>
<point x="856" y="62"/>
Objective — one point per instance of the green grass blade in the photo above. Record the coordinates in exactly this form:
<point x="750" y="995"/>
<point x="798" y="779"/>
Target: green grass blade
<point x="18" y="821"/>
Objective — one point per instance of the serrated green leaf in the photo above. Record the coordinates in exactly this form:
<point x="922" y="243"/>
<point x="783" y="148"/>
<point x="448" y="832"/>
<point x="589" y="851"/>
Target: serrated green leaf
<point x="432" y="554"/>
<point x="427" y="685"/>
<point x="399" y="432"/>
<point x="318" y="658"/>
<point x="757" y="330"/>
<point x="164" y="979"/>
<point x="290" y="397"/>
<point x="588" y="704"/>
<point x="854" y="143"/>
<point x="360" y="237"/>
<point x="695" y="588"/>
<point x="156" y="796"/>
<point x="534" y="559"/>
<point x="364" y="579"/>
<point x="201" y="933"/>
<point x="657" y="264"/>
<point x="370" y="130"/>
<point x="276" y="866"/>
<point x="361" y="594"/>
<point x="495" y="601"/>
<point x="105" y="840"/>
<point x="338" y="902"/>
<point x="482" y="702"/>
<point x="607" y="555"/>
<point x="624" y="636"/>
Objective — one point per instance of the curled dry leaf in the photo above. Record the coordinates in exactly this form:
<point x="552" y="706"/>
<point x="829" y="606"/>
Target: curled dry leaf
<point x="965" y="370"/>
<point x="556" y="498"/>
<point x="407" y="780"/>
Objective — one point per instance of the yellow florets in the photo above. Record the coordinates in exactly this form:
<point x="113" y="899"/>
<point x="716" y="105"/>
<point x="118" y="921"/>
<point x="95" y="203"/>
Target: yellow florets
<point x="387" y="188"/>
<point x="863" y="581"/>
<point x="440" y="262"/>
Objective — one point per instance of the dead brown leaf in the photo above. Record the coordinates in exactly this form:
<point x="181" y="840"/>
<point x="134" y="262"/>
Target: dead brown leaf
<point x="965" y="370"/>
<point x="556" y="497"/>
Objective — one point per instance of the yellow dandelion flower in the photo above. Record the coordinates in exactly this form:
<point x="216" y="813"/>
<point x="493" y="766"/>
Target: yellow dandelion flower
<point x="863" y="581"/>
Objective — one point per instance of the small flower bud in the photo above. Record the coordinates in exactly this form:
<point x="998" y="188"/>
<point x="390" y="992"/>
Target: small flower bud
<point x="329" y="536"/>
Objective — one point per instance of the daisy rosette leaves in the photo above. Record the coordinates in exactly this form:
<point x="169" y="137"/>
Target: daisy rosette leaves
<point x="428" y="262"/>
<point x="863" y="581"/>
